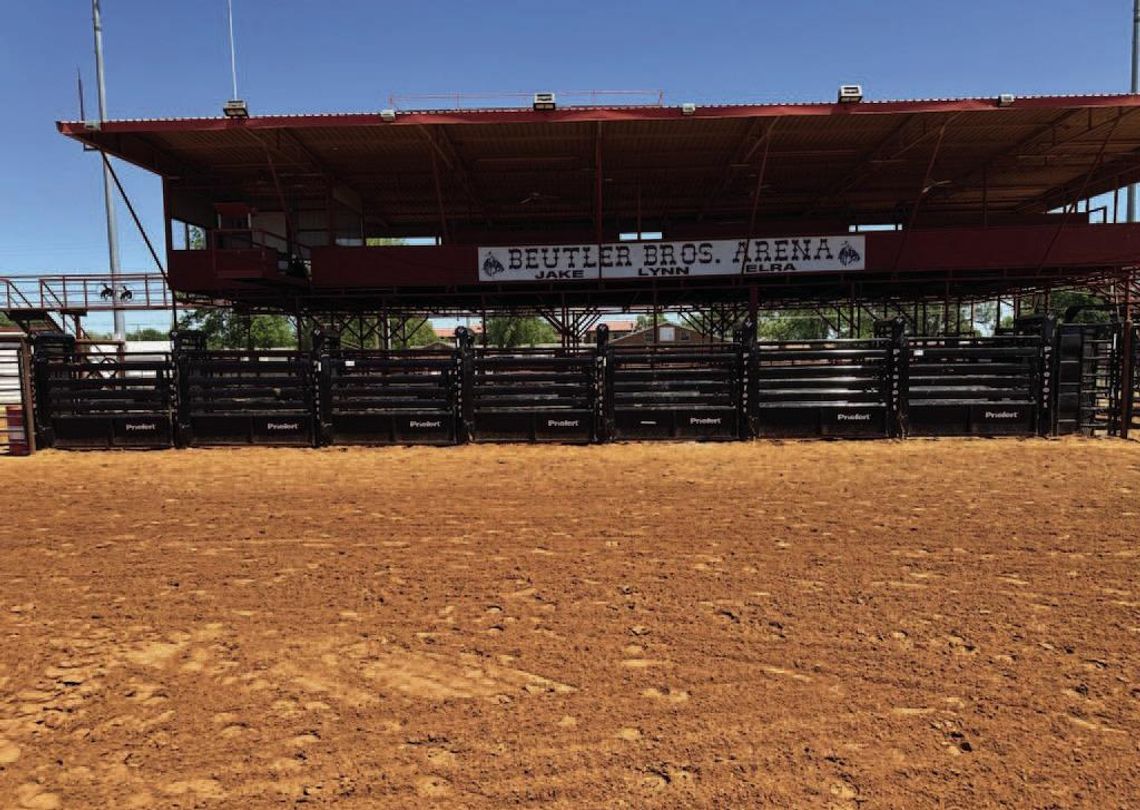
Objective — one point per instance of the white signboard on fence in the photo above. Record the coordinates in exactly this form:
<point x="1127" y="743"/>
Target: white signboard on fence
<point x="717" y="257"/>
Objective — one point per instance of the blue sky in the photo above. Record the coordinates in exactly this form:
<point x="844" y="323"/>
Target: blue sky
<point x="170" y="58"/>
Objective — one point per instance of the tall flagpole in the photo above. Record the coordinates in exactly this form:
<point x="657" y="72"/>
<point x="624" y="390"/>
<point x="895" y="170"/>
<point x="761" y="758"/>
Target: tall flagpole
<point x="120" y="330"/>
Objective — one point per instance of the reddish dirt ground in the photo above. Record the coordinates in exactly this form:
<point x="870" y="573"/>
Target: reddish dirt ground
<point x="920" y="624"/>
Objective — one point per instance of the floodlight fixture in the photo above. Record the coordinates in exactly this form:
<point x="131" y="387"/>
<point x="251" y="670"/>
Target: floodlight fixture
<point x="235" y="108"/>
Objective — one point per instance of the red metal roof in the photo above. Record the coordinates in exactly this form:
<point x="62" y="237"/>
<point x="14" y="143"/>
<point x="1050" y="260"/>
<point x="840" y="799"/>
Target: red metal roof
<point x="482" y="172"/>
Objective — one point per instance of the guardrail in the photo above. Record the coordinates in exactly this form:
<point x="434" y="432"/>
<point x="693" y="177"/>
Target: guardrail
<point x="85" y="293"/>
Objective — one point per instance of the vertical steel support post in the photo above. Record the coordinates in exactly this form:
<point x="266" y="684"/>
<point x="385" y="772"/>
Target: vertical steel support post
<point x="184" y="344"/>
<point x="464" y="350"/>
<point x="898" y="382"/>
<point x="1046" y="390"/>
<point x="1135" y="89"/>
<point x="609" y="406"/>
<point x="747" y="379"/>
<point x="324" y="344"/>
<point x="1128" y="381"/>
<point x="602" y="386"/>
<point x="27" y="398"/>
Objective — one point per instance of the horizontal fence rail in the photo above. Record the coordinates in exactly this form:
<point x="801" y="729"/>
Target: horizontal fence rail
<point x="1043" y="379"/>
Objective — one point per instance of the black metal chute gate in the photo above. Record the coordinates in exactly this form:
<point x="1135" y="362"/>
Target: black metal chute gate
<point x="670" y="391"/>
<point x="228" y="396"/>
<point x="829" y="388"/>
<point x="984" y="386"/>
<point x="378" y="396"/>
<point x="529" y="395"/>
<point x="94" y="400"/>
<point x="1091" y="390"/>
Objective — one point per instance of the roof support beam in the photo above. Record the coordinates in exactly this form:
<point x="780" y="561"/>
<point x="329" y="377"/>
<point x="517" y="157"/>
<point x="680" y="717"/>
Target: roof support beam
<point x="741" y="156"/>
<point x="289" y="146"/>
<point x="319" y="166"/>
<point x="1096" y="175"/>
<point x="923" y="191"/>
<point x="165" y="163"/>
<point x="598" y="183"/>
<point x="901" y="140"/>
<point x="964" y="182"/>
<point x="444" y="148"/>
<point x="1069" y="210"/>
<point x="863" y="165"/>
<point x="445" y="237"/>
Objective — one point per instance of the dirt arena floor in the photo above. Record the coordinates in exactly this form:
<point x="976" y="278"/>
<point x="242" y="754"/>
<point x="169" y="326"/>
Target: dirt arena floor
<point x="819" y="625"/>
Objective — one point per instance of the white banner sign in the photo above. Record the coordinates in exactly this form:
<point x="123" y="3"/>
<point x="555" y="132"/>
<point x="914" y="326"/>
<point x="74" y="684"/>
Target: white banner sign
<point x="718" y="257"/>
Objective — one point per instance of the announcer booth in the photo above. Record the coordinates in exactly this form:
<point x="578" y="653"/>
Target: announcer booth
<point x="870" y="208"/>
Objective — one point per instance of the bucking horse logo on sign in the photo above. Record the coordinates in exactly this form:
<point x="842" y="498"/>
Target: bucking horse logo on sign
<point x="492" y="266"/>
<point x="848" y="255"/>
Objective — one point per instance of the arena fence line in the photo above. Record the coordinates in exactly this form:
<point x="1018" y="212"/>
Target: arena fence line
<point x="1036" y="379"/>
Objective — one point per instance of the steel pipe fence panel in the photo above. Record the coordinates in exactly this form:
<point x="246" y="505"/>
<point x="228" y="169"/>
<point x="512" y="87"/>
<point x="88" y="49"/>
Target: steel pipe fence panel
<point x="246" y="397"/>
<point x="827" y="388"/>
<point x="538" y="395"/>
<point x="675" y="392"/>
<point x="100" y="401"/>
<point x="389" y="397"/>
<point x="987" y="386"/>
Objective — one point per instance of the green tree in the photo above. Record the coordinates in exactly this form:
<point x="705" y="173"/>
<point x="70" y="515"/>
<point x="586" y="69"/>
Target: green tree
<point x="509" y="332"/>
<point x="646" y="322"/>
<point x="420" y="333"/>
<point x="225" y="329"/>
<point x="793" y="325"/>
<point x="1063" y="300"/>
<point x="148" y="333"/>
<point x="4" y="320"/>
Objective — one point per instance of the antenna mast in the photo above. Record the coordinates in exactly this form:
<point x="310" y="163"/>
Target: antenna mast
<point x="233" y="54"/>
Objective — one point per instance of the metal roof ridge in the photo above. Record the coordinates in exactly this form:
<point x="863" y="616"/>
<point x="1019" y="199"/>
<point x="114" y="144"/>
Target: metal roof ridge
<point x="615" y="107"/>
